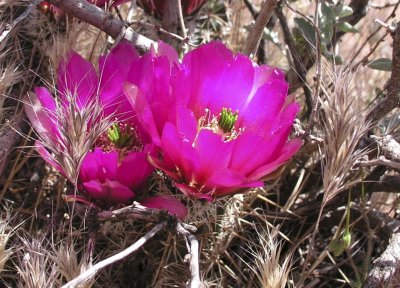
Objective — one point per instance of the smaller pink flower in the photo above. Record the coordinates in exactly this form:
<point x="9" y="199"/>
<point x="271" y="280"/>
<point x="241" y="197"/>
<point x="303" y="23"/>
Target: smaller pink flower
<point x="116" y="168"/>
<point x="110" y="180"/>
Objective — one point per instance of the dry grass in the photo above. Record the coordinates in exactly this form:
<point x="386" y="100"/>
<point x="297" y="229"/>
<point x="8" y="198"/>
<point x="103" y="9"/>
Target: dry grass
<point x="344" y="124"/>
<point x="272" y="266"/>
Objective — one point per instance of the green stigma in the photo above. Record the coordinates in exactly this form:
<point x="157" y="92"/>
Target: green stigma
<point x="227" y="120"/>
<point x="119" y="138"/>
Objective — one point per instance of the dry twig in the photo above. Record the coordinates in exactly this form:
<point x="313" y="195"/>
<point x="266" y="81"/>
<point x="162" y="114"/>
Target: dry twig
<point x="119" y="256"/>
<point x="379" y="161"/>
<point x="193" y="248"/>
<point x="386" y="268"/>
<point x="263" y="17"/>
<point x="101" y="19"/>
<point x="392" y="99"/>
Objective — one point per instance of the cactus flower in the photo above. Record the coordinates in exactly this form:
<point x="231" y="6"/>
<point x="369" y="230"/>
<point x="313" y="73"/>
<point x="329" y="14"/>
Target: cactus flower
<point x="220" y="121"/>
<point x="114" y="169"/>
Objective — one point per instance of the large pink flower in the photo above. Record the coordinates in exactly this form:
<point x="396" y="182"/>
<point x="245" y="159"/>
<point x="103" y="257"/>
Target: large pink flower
<point x="221" y="122"/>
<point x="116" y="168"/>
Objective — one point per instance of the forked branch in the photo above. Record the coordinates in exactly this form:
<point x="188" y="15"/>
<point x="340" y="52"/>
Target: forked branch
<point x="262" y="19"/>
<point x="392" y="88"/>
<point x="99" y="18"/>
<point x="119" y="256"/>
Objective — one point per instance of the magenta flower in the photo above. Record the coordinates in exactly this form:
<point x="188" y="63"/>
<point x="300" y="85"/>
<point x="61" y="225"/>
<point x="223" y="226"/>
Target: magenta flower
<point x="93" y="126"/>
<point x="220" y="121"/>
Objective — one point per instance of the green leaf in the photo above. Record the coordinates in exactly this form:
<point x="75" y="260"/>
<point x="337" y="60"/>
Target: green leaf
<point x="336" y="247"/>
<point x="339" y="245"/>
<point x="344" y="12"/>
<point x="307" y="30"/>
<point x="327" y="12"/>
<point x="382" y="64"/>
<point x="346" y="27"/>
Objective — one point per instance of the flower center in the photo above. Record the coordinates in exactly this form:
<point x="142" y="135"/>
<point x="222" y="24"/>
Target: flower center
<point x="222" y="124"/>
<point x="121" y="137"/>
<point x="227" y="120"/>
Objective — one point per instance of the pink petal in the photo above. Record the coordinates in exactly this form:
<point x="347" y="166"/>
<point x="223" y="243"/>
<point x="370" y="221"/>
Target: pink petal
<point x="203" y="67"/>
<point x="41" y="118"/>
<point x="231" y="179"/>
<point x="233" y="85"/>
<point x="169" y="169"/>
<point x="287" y="152"/>
<point x="265" y="73"/>
<point x="114" y="68"/>
<point x="264" y="107"/>
<point x="169" y="52"/>
<point x="178" y="152"/>
<point x="45" y="154"/>
<point x="186" y="124"/>
<point x="170" y="204"/>
<point x="109" y="192"/>
<point x="193" y="192"/>
<point x="247" y="145"/>
<point x="76" y="77"/>
<point x="143" y="111"/>
<point x="134" y="169"/>
<point x="214" y="154"/>
<point x="46" y="99"/>
<point x="99" y="165"/>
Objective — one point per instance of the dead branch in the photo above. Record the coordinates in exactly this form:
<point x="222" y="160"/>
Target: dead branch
<point x="252" y="9"/>
<point x="19" y="19"/>
<point x="392" y="87"/>
<point x="382" y="160"/>
<point x="8" y="138"/>
<point x="256" y="33"/>
<point x="161" y="30"/>
<point x="389" y="146"/>
<point x="300" y="132"/>
<point x="364" y="60"/>
<point x="299" y="68"/>
<point x="391" y="153"/>
<point x="104" y="21"/>
<point x="137" y="211"/>
<point x="388" y="183"/>
<point x="386" y="268"/>
<point x="181" y="20"/>
<point x="193" y="248"/>
<point x="134" y="211"/>
<point x="119" y="256"/>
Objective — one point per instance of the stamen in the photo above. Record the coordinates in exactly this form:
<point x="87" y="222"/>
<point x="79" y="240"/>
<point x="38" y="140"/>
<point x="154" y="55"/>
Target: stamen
<point x="121" y="139"/>
<point x="223" y="124"/>
<point x="227" y="120"/>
